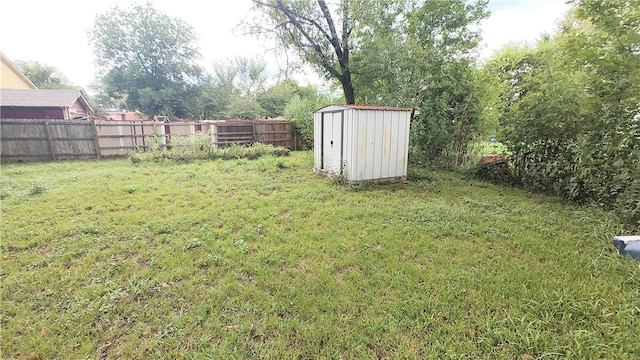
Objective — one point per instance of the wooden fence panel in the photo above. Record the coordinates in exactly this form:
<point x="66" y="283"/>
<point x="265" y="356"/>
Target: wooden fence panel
<point x="276" y="133"/>
<point x="122" y="138"/>
<point x="38" y="140"/>
<point x="232" y="132"/>
<point x="24" y="143"/>
<point x="71" y="140"/>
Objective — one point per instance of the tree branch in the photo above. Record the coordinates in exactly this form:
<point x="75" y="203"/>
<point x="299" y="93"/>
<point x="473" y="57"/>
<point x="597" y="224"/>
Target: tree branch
<point x="293" y="20"/>
<point x="334" y="34"/>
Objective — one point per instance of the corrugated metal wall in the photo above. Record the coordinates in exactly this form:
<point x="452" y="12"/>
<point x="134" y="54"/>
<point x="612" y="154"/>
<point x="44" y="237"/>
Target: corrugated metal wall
<point x="377" y="144"/>
<point x="371" y="144"/>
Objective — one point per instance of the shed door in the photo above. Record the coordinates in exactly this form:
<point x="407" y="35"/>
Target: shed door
<point x="332" y="141"/>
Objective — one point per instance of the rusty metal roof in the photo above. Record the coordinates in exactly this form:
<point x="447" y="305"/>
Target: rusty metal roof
<point x="368" y="107"/>
<point x="376" y="107"/>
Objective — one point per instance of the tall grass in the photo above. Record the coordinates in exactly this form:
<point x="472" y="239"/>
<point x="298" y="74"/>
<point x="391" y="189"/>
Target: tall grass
<point x="198" y="147"/>
<point x="261" y="258"/>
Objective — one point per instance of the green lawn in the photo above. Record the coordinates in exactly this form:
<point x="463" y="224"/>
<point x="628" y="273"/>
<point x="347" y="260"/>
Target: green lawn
<point x="262" y="258"/>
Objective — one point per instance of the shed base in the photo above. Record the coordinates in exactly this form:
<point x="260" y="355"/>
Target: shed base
<point x="379" y="181"/>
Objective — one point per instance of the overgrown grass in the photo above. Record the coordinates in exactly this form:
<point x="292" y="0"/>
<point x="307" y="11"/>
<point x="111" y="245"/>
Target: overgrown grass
<point x="262" y="258"/>
<point x="198" y="147"/>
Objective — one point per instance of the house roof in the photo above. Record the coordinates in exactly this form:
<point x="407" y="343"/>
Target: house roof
<point x="368" y="107"/>
<point x="17" y="71"/>
<point x="41" y="98"/>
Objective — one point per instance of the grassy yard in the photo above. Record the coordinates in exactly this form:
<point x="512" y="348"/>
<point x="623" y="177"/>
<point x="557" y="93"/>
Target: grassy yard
<point x="262" y="258"/>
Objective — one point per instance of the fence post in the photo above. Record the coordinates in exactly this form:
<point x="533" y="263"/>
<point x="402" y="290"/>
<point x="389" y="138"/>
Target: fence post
<point x="256" y="135"/>
<point x="294" y="139"/>
<point x="212" y="135"/>
<point x="96" y="140"/>
<point x="49" y="142"/>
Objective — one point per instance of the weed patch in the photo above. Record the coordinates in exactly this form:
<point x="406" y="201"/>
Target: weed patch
<point x="198" y="147"/>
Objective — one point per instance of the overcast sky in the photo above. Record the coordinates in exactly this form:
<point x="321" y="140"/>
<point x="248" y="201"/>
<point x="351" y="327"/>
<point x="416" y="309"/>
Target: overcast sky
<point x="55" y="32"/>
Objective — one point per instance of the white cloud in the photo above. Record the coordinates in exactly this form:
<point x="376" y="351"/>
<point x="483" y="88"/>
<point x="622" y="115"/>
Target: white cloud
<point x="56" y="32"/>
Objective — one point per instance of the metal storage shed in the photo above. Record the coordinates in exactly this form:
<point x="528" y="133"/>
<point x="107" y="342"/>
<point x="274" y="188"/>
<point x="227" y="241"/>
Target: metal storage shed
<point x="360" y="142"/>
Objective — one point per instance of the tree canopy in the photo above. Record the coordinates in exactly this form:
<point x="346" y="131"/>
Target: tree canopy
<point x="146" y="59"/>
<point x="44" y="76"/>
<point x="413" y="53"/>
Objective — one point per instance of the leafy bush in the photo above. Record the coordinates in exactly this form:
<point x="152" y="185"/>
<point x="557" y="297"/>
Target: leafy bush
<point x="574" y="130"/>
<point x="497" y="172"/>
<point x="449" y="118"/>
<point x="281" y="151"/>
<point x="300" y="111"/>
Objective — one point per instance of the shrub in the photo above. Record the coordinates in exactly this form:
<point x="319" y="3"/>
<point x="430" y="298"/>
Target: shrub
<point x="198" y="147"/>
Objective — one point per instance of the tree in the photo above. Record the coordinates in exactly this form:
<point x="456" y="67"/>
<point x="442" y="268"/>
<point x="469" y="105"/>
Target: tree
<point x="44" y="76"/>
<point x="570" y="111"/>
<point x="233" y="89"/>
<point x="313" y="32"/>
<point x="420" y="54"/>
<point x="275" y="99"/>
<point x="146" y="58"/>
<point x="243" y="107"/>
<point x="242" y="76"/>
<point x="413" y="53"/>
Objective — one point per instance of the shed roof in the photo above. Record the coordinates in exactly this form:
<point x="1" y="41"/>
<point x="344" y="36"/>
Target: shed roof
<point x="366" y="107"/>
<point x="41" y="98"/>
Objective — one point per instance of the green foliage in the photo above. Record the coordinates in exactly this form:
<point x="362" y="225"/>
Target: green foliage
<point x="212" y="99"/>
<point x="247" y="259"/>
<point x="317" y="31"/>
<point x="37" y="188"/>
<point x="250" y="75"/>
<point x="275" y="99"/>
<point x="400" y="53"/>
<point x="241" y="107"/>
<point x="146" y="59"/>
<point x="44" y="76"/>
<point x="300" y="111"/>
<point x="569" y="108"/>
<point x="233" y="91"/>
<point x="449" y="119"/>
<point x="419" y="54"/>
<point x="280" y="151"/>
<point x="187" y="149"/>
<point x="496" y="172"/>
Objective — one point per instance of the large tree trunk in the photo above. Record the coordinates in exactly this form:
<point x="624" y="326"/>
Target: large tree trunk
<point x="347" y="88"/>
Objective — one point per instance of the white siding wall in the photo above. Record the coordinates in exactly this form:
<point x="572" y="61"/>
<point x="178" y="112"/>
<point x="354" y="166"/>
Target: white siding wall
<point x="403" y="149"/>
<point x="377" y="144"/>
<point x="348" y="143"/>
<point x="317" y="131"/>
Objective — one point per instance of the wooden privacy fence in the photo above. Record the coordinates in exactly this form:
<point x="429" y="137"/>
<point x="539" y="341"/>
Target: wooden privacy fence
<point x="39" y="140"/>
<point x="122" y="138"/>
<point x="276" y="133"/>
<point x="232" y="132"/>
